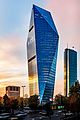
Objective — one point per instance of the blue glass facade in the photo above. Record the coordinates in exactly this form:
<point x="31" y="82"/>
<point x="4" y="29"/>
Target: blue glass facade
<point x="70" y="69"/>
<point x="46" y="45"/>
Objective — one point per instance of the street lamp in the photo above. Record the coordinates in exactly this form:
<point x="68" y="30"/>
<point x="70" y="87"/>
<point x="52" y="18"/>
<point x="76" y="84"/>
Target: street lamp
<point x="23" y="93"/>
<point x="23" y="90"/>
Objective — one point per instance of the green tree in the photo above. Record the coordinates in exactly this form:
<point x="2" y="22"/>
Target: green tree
<point x="58" y="99"/>
<point x="74" y="98"/>
<point x="75" y="89"/>
<point x="61" y="101"/>
<point x="14" y="104"/>
<point x="6" y="102"/>
<point x="48" y="108"/>
<point x="33" y="102"/>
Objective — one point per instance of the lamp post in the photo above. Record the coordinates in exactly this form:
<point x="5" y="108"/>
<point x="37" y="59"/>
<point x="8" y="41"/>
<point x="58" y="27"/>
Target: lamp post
<point x="23" y="91"/>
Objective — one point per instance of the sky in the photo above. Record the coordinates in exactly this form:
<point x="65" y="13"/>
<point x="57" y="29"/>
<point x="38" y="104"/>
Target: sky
<point x="14" y="25"/>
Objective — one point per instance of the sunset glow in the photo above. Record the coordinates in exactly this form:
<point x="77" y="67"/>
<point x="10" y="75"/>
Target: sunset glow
<point x="14" y="25"/>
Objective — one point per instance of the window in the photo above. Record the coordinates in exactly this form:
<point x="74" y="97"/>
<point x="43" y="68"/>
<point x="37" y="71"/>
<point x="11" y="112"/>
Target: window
<point x="16" y="88"/>
<point x="11" y="88"/>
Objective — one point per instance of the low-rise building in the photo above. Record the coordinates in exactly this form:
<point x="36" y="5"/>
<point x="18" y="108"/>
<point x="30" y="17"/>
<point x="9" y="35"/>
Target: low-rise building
<point x="13" y="91"/>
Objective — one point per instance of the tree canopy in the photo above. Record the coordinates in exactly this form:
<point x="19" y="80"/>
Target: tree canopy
<point x="33" y="101"/>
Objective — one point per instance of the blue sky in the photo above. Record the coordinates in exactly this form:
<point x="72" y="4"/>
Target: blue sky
<point x="15" y="14"/>
<point x="14" y="24"/>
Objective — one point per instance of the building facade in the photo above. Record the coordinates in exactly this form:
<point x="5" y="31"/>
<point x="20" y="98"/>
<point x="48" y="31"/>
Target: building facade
<point x="42" y="47"/>
<point x="70" y="69"/>
<point x="13" y="92"/>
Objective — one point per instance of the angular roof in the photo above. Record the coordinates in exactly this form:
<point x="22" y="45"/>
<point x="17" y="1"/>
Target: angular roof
<point x="47" y="16"/>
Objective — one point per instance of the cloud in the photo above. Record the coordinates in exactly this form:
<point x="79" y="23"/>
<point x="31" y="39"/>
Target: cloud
<point x="67" y="18"/>
<point x="13" y="70"/>
<point x="12" y="50"/>
<point x="8" y="75"/>
<point x="14" y="19"/>
<point x="66" y="15"/>
<point x="14" y="81"/>
<point x="59" y="87"/>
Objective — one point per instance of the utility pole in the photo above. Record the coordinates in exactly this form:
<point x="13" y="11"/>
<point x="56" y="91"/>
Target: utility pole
<point x="23" y="91"/>
<point x="23" y="95"/>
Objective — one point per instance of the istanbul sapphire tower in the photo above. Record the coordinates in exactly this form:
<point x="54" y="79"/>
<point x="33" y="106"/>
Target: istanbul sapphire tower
<point x="42" y="48"/>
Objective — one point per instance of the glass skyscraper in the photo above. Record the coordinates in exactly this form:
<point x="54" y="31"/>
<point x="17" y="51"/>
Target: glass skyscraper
<point x="42" y="48"/>
<point x="70" y="69"/>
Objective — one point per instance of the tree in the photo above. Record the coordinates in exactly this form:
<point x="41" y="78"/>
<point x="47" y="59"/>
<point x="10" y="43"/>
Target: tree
<point x="14" y="104"/>
<point x="33" y="102"/>
<point x="6" y="101"/>
<point x="60" y="99"/>
<point x="71" y="103"/>
<point x="74" y="89"/>
<point x="48" y="108"/>
<point x="74" y="98"/>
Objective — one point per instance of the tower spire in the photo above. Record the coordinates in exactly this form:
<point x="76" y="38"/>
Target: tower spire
<point x="67" y="45"/>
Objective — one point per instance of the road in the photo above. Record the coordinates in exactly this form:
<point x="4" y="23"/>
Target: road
<point x="38" y="116"/>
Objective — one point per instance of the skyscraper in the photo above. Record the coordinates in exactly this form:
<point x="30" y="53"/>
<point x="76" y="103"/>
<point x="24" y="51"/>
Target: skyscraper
<point x="42" y="47"/>
<point x="70" y="69"/>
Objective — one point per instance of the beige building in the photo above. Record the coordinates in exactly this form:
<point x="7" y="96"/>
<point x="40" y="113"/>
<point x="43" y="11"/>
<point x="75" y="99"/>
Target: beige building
<point x="13" y="91"/>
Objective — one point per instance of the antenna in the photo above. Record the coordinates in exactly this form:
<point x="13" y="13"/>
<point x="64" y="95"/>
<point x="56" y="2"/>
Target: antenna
<point x="72" y="46"/>
<point x="67" y="45"/>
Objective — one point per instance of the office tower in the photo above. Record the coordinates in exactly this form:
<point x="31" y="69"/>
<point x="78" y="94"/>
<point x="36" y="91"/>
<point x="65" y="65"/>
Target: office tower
<point x="70" y="69"/>
<point x="42" y="47"/>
